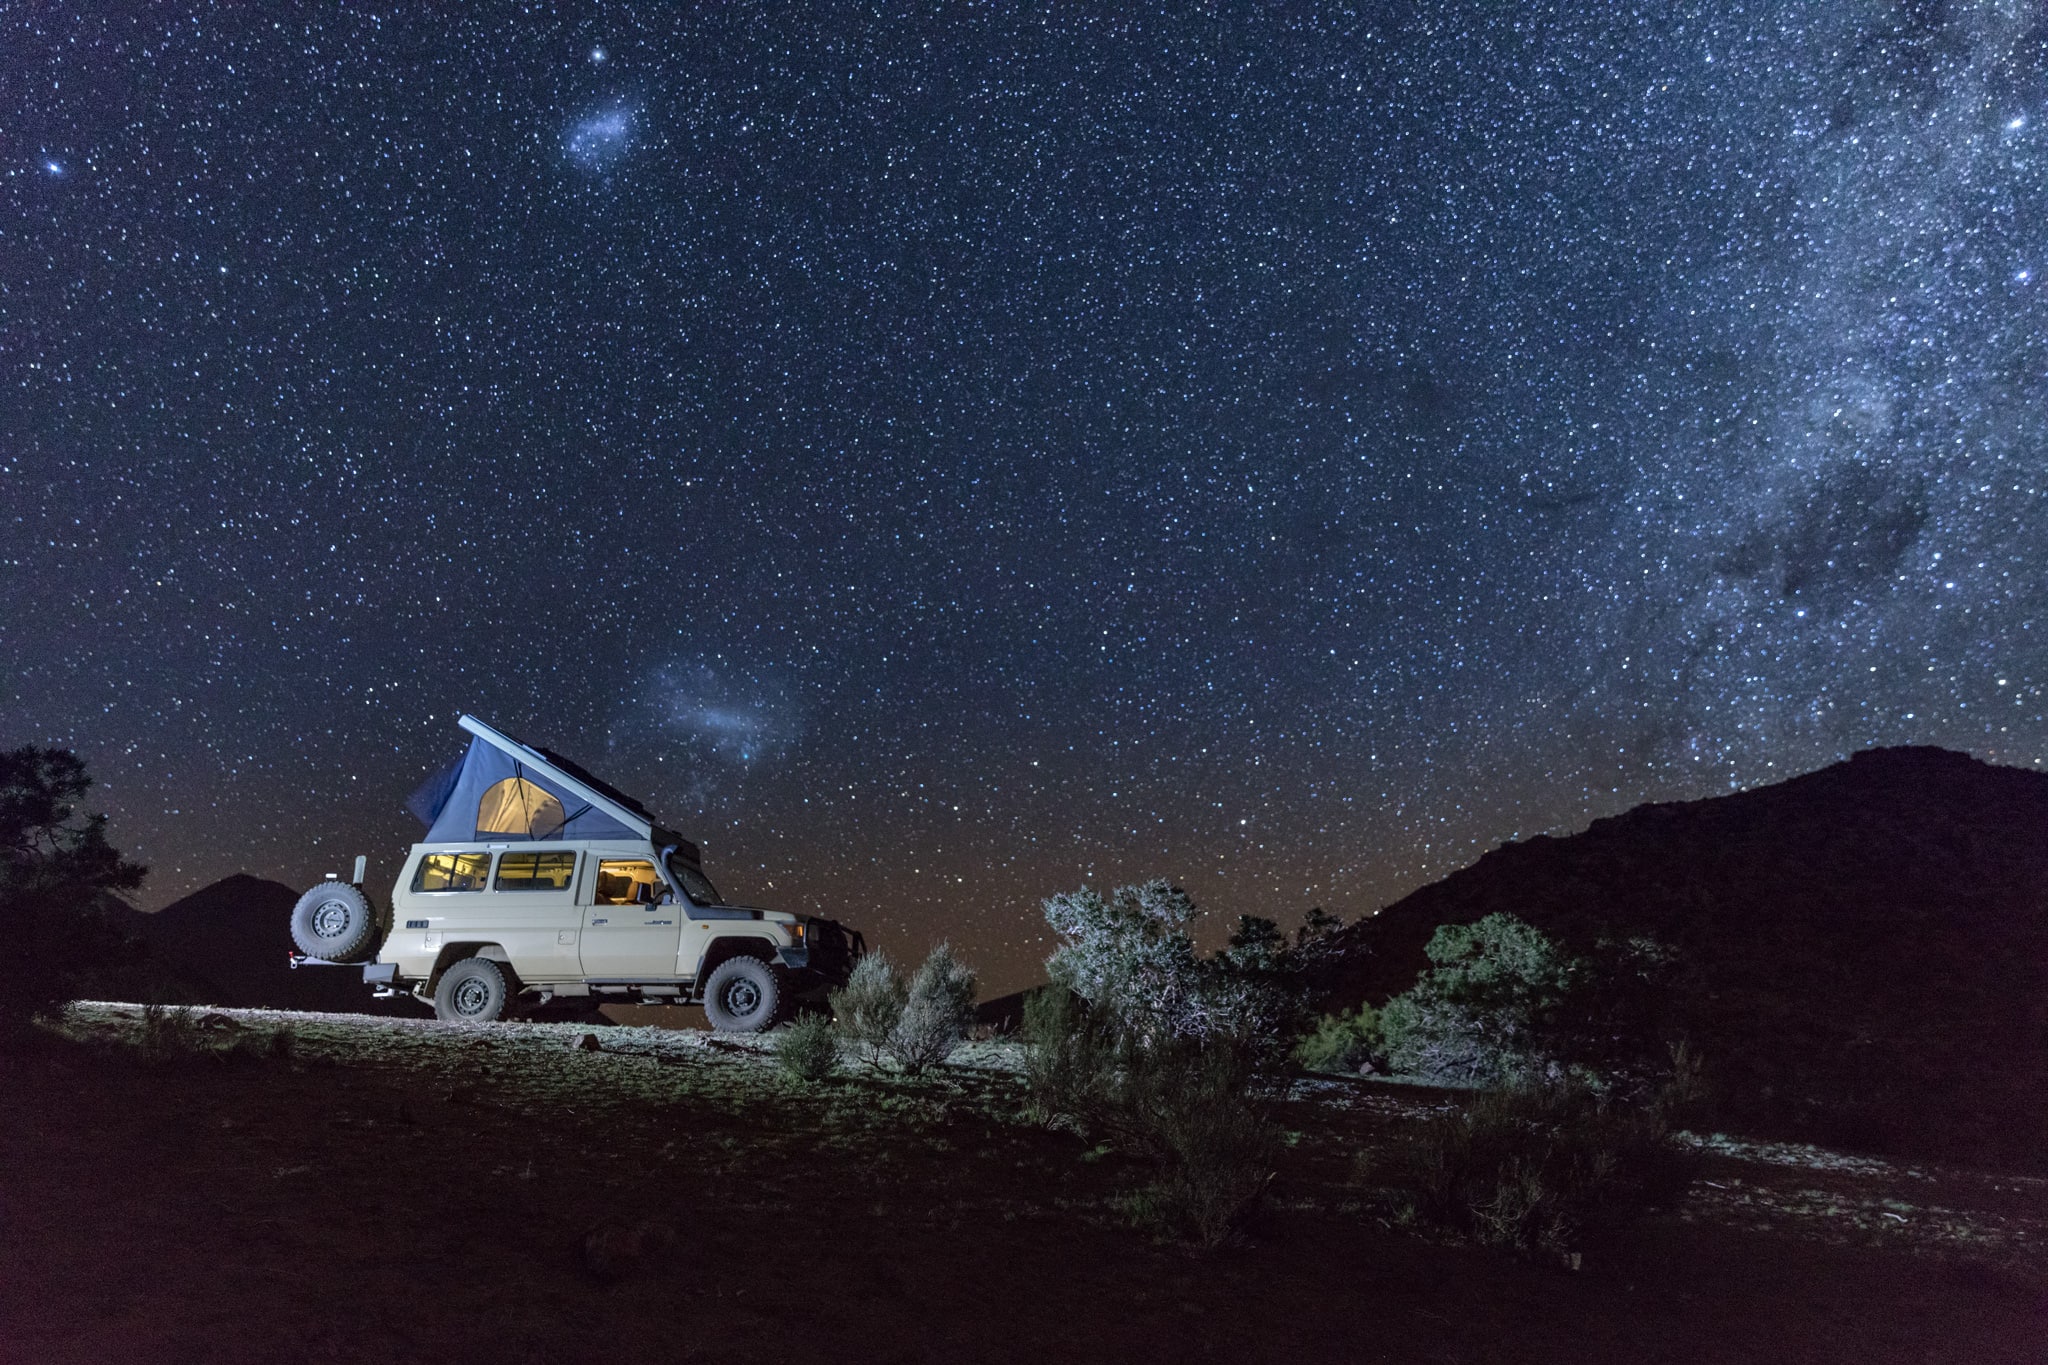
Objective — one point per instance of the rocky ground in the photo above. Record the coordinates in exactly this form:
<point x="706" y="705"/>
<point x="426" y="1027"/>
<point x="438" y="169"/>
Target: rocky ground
<point x="385" y="1190"/>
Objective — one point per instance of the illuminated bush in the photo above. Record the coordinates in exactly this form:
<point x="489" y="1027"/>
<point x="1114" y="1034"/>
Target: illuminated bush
<point x="1132" y="954"/>
<point x="918" y="1023"/>
<point x="869" y="1005"/>
<point x="1169" y="1055"/>
<point x="807" y="1048"/>
<point x="937" y="1009"/>
<point x="1345" y="1042"/>
<point x="1485" y="1013"/>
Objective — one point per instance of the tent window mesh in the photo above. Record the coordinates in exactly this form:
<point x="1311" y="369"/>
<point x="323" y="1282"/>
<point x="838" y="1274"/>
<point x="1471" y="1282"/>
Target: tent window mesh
<point x="520" y="808"/>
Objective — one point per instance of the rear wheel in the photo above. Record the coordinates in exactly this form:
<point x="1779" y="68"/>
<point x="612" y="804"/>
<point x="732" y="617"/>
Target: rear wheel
<point x="743" y="995"/>
<point x="334" y="922"/>
<point x="473" y="991"/>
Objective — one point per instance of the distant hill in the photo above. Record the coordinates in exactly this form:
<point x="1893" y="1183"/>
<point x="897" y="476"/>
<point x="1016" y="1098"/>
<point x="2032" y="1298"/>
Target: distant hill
<point x="1863" y="950"/>
<point x="1004" y="1014"/>
<point x="227" y="944"/>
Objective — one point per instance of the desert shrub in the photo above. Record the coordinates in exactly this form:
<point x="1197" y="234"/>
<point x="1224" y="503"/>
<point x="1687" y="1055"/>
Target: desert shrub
<point x="1504" y="1004"/>
<point x="1133" y="954"/>
<point x="937" y="1009"/>
<point x="1346" y="1041"/>
<point x="1196" y="1109"/>
<point x="279" y="1044"/>
<point x="1485" y="1013"/>
<point x="1069" y="1056"/>
<point x="283" y="1043"/>
<point x="170" y="1033"/>
<point x="869" y="1006"/>
<point x="807" y="1048"/>
<point x="1685" y="1097"/>
<point x="1531" y="1167"/>
<point x="1167" y="1054"/>
<point x="1192" y="1109"/>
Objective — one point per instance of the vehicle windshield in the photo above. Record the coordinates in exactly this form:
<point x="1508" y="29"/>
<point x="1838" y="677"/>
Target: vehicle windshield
<point x="691" y="878"/>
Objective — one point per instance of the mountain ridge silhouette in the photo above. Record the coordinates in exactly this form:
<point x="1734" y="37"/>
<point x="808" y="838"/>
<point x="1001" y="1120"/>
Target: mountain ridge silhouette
<point x="1862" y="949"/>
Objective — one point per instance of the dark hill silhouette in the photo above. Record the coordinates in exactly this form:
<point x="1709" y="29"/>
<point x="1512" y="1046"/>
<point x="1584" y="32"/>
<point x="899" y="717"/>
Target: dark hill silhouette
<point x="226" y="944"/>
<point x="1863" y="950"/>
<point x="1004" y="1014"/>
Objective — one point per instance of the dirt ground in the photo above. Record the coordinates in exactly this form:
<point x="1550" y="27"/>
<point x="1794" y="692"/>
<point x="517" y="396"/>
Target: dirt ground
<point x="395" y="1191"/>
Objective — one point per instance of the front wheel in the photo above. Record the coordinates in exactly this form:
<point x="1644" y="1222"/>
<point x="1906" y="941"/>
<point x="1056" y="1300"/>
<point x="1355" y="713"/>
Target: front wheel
<point x="473" y="991"/>
<point x="743" y="995"/>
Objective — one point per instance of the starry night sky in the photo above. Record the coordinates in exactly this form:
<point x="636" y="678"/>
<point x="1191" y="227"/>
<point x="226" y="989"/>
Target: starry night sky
<point x="939" y="456"/>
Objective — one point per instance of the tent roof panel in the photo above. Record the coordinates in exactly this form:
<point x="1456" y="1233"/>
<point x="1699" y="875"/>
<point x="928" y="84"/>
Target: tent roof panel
<point x="612" y="803"/>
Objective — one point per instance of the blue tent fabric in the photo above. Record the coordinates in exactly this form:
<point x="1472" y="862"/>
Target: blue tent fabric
<point x="486" y="765"/>
<point x="427" y="803"/>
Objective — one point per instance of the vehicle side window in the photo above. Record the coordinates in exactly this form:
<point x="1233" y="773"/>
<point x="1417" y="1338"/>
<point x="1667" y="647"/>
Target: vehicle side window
<point x="452" y="872"/>
<point x="616" y="879"/>
<point x="535" y="871"/>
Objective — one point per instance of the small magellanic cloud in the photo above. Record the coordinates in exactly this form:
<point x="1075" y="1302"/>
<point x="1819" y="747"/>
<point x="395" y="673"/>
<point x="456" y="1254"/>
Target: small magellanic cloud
<point x="597" y="141"/>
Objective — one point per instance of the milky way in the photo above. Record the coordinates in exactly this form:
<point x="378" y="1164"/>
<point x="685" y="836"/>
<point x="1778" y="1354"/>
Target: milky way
<point x="938" y="461"/>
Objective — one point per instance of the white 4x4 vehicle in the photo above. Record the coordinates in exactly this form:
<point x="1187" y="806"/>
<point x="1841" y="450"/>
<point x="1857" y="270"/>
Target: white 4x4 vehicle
<point x="560" y="887"/>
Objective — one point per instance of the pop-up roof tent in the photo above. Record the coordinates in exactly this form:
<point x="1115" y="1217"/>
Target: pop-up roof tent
<point x="502" y="789"/>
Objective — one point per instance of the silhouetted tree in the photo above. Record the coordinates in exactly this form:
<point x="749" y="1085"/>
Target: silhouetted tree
<point x="60" y="884"/>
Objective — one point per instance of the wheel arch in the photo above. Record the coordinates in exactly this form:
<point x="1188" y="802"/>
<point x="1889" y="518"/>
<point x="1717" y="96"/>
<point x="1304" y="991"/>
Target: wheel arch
<point x="452" y="953"/>
<point x="728" y="946"/>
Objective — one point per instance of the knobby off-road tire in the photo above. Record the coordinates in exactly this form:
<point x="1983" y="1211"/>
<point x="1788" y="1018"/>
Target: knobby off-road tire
<point x="743" y="995"/>
<point x="473" y="991"/>
<point x="334" y="922"/>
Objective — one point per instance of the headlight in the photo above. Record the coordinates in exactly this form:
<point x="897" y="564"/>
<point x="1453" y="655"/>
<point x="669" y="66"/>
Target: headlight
<point x="796" y="931"/>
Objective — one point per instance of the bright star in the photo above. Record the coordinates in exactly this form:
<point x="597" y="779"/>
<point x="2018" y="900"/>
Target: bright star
<point x="2017" y="123"/>
<point x="597" y="55"/>
<point x="53" y="167"/>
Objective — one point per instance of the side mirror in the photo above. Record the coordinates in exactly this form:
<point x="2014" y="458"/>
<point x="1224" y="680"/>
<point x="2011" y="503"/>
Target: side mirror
<point x="643" y="894"/>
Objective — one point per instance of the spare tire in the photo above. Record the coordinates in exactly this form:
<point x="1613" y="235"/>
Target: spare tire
<point x="334" y="922"/>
